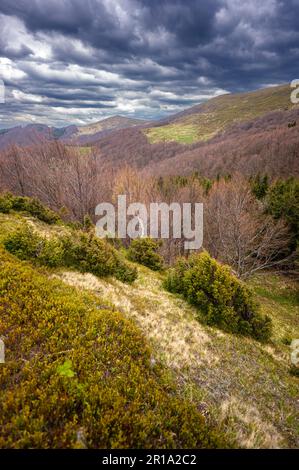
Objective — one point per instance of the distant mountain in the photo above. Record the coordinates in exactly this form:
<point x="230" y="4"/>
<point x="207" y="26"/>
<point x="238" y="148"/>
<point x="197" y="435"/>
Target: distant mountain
<point x="25" y="136"/>
<point x="33" y="134"/>
<point x="245" y="132"/>
<point x="93" y="132"/>
<point x="113" y="122"/>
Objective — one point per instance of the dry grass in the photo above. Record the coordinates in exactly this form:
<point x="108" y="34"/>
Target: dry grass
<point x="251" y="430"/>
<point x="170" y="325"/>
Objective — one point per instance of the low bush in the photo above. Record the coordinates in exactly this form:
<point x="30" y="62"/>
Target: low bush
<point x="32" y="206"/>
<point x="23" y="243"/>
<point x="89" y="253"/>
<point x="222" y="299"/>
<point x="145" y="251"/>
<point x="27" y="244"/>
<point x="51" y="253"/>
<point x="80" y="250"/>
<point x="5" y="204"/>
<point x="78" y="374"/>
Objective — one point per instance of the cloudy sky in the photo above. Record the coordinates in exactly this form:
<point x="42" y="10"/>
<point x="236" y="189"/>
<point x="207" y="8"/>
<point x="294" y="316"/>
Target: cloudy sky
<point x="78" y="61"/>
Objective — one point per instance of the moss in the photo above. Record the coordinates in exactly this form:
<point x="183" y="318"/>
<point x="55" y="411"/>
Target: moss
<point x="77" y="373"/>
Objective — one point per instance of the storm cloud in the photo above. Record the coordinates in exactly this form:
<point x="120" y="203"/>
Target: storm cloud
<point x="74" y="61"/>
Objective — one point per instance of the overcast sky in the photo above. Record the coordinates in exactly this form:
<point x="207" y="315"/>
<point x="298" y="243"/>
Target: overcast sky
<point x="77" y="61"/>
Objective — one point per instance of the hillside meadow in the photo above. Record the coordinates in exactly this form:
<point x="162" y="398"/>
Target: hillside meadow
<point x="127" y="350"/>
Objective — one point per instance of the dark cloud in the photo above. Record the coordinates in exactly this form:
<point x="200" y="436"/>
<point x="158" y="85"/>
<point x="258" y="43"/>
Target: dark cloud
<point x="54" y="15"/>
<point x="142" y="57"/>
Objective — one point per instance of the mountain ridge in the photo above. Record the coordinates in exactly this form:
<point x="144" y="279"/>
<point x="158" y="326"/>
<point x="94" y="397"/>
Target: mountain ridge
<point x="244" y="132"/>
<point x="33" y="133"/>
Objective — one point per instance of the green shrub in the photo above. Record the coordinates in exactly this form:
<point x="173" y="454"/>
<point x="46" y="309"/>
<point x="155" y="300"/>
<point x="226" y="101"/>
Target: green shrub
<point x="78" y="374"/>
<point x="222" y="299"/>
<point x="124" y="272"/>
<point x="52" y="253"/>
<point x="89" y="253"/>
<point x="5" y="203"/>
<point x="82" y="251"/>
<point x="26" y="244"/>
<point x="32" y="206"/>
<point x="23" y="243"/>
<point x="145" y="251"/>
<point x="87" y="223"/>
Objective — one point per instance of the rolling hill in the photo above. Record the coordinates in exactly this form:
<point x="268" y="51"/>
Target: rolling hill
<point x="33" y="134"/>
<point x="204" y="121"/>
<point x="247" y="132"/>
<point x="81" y="345"/>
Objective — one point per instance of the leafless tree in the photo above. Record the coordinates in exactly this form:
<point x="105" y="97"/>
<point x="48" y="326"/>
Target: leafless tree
<point x="239" y="233"/>
<point x="14" y="170"/>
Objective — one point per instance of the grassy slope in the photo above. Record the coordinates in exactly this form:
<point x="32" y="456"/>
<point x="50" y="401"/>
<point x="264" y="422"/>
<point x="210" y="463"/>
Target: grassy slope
<point x="246" y="386"/>
<point x="242" y="383"/>
<point x="219" y="113"/>
<point x="79" y="374"/>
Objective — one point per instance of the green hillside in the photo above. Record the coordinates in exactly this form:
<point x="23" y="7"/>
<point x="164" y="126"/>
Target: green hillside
<point x="78" y="373"/>
<point x="96" y="362"/>
<point x="218" y="114"/>
<point x="243" y="385"/>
